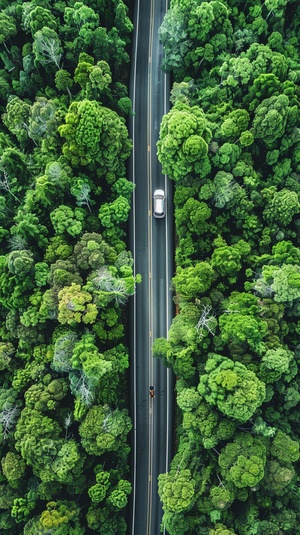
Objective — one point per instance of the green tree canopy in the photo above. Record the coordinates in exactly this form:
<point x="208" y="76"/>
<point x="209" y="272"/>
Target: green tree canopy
<point x="231" y="387"/>
<point x="75" y="306"/>
<point x="184" y="138"/>
<point x="242" y="461"/>
<point x="104" y="429"/>
<point x="191" y="282"/>
<point x="177" y="491"/>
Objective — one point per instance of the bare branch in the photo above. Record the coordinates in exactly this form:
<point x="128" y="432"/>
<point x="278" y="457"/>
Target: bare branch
<point x="206" y="321"/>
<point x="4" y="184"/>
<point x="83" y="390"/>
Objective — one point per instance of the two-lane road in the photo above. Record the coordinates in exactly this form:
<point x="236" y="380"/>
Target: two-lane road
<point x="151" y="241"/>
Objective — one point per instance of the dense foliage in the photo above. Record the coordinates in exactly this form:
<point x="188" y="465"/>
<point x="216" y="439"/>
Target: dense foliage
<point x="231" y="143"/>
<point x="65" y="271"/>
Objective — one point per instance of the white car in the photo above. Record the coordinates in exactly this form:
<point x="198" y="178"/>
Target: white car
<point x="159" y="203"/>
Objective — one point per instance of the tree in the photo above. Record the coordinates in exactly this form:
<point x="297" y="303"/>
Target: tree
<point x="94" y="133"/>
<point x="13" y="468"/>
<point x="191" y="282"/>
<point x="283" y="281"/>
<point x="20" y="263"/>
<point x="235" y="124"/>
<point x="102" y="519"/>
<point x="221" y="529"/>
<point x="75" y="306"/>
<point x="16" y="118"/>
<point x="114" y="214"/>
<point x="270" y="119"/>
<point x="63" y="81"/>
<point x="83" y="69"/>
<point x="226" y="259"/>
<point x="183" y="144"/>
<point x="66" y="220"/>
<point x="275" y="7"/>
<point x="107" y="287"/>
<point x="37" y="18"/>
<point x="58" y="248"/>
<point x="100" y="76"/>
<point x="29" y="229"/>
<point x="63" y="350"/>
<point x="7" y="350"/>
<point x="202" y="422"/>
<point x="104" y="429"/>
<point x="98" y="492"/>
<point x="284" y="252"/>
<point x="221" y="497"/>
<point x="83" y="126"/>
<point x="224" y="188"/>
<point x="188" y="398"/>
<point x="125" y="106"/>
<point x="231" y="387"/>
<point x="91" y="252"/>
<point x="284" y="448"/>
<point x="59" y="518"/>
<point x="63" y="273"/>
<point x="119" y="496"/>
<point x="242" y="461"/>
<point x="42" y="121"/>
<point x="47" y="47"/>
<point x="86" y="356"/>
<point x="41" y="273"/>
<point x="50" y="186"/>
<point x="174" y="37"/>
<point x="81" y="16"/>
<point x="192" y="216"/>
<point x="277" y="476"/>
<point x="44" y="397"/>
<point x="177" y="490"/>
<point x="8" y="27"/>
<point x="122" y="22"/>
<point x="275" y="363"/>
<point x="281" y="209"/>
<point x="241" y="323"/>
<point x="32" y="429"/>
<point x="23" y="507"/>
<point x="227" y="156"/>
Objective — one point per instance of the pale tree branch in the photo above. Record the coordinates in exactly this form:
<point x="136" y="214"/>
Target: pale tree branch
<point x="206" y="321"/>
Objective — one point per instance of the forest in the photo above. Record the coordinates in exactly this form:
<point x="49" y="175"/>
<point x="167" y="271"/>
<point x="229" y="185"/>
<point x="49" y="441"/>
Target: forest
<point x="231" y="144"/>
<point x="65" y="269"/>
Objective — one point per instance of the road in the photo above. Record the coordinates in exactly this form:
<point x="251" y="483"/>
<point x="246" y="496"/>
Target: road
<point x="152" y="244"/>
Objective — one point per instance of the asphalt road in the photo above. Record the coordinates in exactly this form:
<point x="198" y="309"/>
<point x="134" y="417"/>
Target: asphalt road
<point x="152" y="244"/>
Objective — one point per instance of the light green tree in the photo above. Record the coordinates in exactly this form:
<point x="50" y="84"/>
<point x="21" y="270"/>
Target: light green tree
<point x="66" y="220"/>
<point x="270" y="119"/>
<point x="104" y="429"/>
<point x="13" y="468"/>
<point x="184" y="138"/>
<point x="231" y="387"/>
<point x="243" y="460"/>
<point x="191" y="282"/>
<point x="177" y="490"/>
<point x="283" y="281"/>
<point x="75" y="306"/>
<point x="275" y="363"/>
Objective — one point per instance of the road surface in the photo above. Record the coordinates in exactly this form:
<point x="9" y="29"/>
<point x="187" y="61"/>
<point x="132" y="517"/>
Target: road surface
<point x="152" y="244"/>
